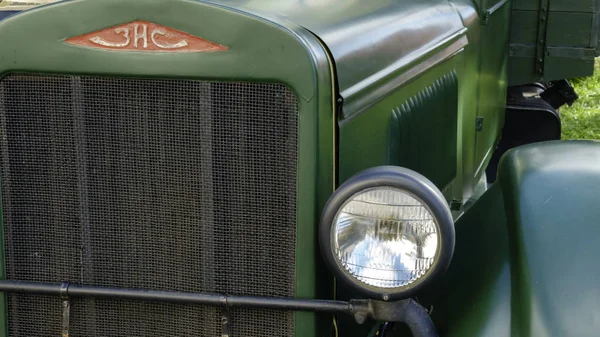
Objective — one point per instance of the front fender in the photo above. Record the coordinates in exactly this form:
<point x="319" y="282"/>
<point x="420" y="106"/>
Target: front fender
<point x="552" y="199"/>
<point x="527" y="258"/>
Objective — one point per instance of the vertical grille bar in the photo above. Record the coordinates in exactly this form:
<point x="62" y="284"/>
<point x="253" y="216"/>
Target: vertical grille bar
<point x="157" y="184"/>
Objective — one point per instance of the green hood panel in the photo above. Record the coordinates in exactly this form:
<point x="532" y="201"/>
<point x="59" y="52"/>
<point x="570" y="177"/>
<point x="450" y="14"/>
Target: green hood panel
<point x="372" y="43"/>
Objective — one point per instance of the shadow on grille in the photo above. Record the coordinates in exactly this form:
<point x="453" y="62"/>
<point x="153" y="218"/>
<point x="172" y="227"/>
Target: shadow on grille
<point x="155" y="184"/>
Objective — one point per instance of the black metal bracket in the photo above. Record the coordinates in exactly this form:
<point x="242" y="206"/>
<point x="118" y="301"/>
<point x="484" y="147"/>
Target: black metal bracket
<point x="479" y="123"/>
<point x="66" y="306"/>
<point x="225" y="323"/>
<point x="560" y="93"/>
<point x="407" y="311"/>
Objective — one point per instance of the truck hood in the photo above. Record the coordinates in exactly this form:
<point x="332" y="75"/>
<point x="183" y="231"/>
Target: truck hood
<point x="375" y="45"/>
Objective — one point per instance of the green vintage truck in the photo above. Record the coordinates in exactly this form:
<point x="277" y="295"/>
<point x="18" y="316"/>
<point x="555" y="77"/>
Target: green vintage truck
<point x="254" y="168"/>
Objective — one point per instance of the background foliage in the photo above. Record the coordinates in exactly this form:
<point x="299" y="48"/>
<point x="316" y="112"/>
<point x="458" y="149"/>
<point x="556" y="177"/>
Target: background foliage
<point x="582" y="120"/>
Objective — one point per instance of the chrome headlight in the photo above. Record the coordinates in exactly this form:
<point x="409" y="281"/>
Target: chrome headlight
<point x="387" y="232"/>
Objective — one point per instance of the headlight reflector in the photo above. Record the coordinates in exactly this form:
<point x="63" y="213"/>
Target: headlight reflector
<point x="385" y="237"/>
<point x="387" y="232"/>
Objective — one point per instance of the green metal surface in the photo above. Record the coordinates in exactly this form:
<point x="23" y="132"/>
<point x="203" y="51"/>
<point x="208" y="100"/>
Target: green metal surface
<point x="259" y="50"/>
<point x="435" y="109"/>
<point x="492" y="85"/>
<point x="373" y="43"/>
<point x="479" y="59"/>
<point x="473" y="298"/>
<point x="432" y="101"/>
<point x="467" y="103"/>
<point x="386" y="135"/>
<point x="553" y="39"/>
<point x="480" y="68"/>
<point x="482" y="89"/>
<point x="489" y="7"/>
<point x="551" y="197"/>
<point x="525" y="262"/>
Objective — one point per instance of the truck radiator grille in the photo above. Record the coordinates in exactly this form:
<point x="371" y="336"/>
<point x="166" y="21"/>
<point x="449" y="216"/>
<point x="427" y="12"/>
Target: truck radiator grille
<point x="154" y="184"/>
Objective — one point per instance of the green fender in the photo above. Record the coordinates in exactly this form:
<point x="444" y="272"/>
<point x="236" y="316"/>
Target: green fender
<point x="527" y="258"/>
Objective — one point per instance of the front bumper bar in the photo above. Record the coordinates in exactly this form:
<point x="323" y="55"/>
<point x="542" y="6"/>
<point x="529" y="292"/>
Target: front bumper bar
<point x="407" y="311"/>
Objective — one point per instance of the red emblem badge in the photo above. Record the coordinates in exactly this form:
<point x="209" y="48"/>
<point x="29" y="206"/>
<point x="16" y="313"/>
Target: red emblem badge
<point x="145" y="36"/>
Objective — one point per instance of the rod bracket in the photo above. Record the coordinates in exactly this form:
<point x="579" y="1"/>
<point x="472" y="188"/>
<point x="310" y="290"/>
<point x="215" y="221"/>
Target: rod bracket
<point x="66" y="308"/>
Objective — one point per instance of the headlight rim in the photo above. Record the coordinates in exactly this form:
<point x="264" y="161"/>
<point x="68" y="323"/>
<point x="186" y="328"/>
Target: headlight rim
<point x="405" y="180"/>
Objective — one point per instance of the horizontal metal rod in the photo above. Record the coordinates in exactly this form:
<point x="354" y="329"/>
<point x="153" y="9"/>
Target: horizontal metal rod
<point x="215" y="300"/>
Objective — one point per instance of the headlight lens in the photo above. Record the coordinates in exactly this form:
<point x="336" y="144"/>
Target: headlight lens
<point x="387" y="232"/>
<point x="385" y="237"/>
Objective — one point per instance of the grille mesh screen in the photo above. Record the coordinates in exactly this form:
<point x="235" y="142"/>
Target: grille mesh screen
<point x="153" y="184"/>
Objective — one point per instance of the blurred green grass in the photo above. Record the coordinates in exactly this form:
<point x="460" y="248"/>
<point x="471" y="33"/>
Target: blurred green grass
<point x="582" y="119"/>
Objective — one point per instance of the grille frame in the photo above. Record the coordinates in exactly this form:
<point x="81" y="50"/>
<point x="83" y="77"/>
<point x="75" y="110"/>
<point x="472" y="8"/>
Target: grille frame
<point x="317" y="158"/>
<point x="299" y="189"/>
<point x="299" y="61"/>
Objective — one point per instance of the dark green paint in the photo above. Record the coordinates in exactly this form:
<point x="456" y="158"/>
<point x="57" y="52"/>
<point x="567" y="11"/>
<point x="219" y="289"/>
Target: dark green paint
<point x="482" y="87"/>
<point x="372" y="43"/>
<point x="556" y="5"/>
<point x="485" y="5"/>
<point x="366" y="137"/>
<point x="489" y="7"/>
<point x="433" y="111"/>
<point x="523" y="28"/>
<point x="492" y="84"/>
<point x="525" y="262"/>
<point x="551" y="197"/>
<point x="480" y="67"/>
<point x="473" y="298"/>
<point x="259" y="50"/>
<point x="468" y="103"/>
<point x="553" y="39"/>
<point x="33" y="42"/>
<point x="578" y="33"/>
<point x="433" y="104"/>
